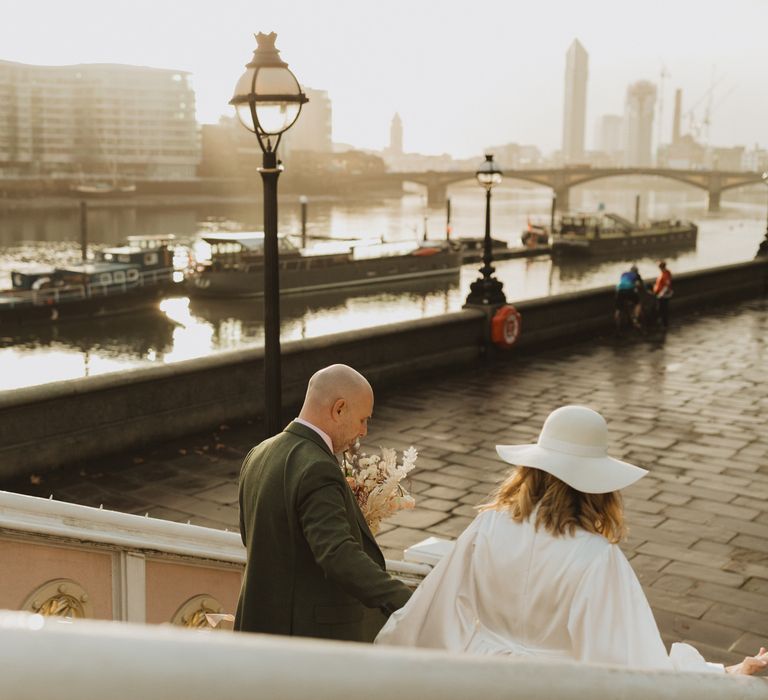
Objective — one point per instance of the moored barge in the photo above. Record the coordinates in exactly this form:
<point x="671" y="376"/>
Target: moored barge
<point x="236" y="267"/>
<point x="120" y="280"/>
<point x="611" y="234"/>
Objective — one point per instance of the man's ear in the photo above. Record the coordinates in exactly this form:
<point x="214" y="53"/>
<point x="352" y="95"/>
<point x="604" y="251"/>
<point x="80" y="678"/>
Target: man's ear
<point x="339" y="406"/>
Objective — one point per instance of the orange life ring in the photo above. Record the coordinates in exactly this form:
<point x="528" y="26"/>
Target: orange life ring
<point x="505" y="326"/>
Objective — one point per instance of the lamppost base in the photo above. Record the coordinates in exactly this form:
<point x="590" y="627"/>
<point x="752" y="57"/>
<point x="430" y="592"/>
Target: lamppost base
<point x="486" y="293"/>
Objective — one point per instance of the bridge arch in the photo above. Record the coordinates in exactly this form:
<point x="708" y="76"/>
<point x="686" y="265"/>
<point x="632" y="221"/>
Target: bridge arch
<point x="560" y="180"/>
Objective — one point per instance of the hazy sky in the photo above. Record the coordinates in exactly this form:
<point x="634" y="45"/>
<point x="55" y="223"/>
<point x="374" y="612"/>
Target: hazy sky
<point x="462" y="75"/>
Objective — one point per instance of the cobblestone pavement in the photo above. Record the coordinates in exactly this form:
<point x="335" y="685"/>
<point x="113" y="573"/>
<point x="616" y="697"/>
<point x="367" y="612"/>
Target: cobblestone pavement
<point x="690" y="407"/>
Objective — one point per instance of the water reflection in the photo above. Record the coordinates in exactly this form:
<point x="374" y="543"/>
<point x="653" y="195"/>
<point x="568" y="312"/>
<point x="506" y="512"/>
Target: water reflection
<point x="184" y="329"/>
<point x="41" y="353"/>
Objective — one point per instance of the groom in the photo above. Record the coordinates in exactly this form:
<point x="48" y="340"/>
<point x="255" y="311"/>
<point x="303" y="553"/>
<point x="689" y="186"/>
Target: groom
<point x="313" y="566"/>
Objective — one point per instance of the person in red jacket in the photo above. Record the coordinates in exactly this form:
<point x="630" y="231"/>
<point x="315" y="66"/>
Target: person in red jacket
<point x="663" y="291"/>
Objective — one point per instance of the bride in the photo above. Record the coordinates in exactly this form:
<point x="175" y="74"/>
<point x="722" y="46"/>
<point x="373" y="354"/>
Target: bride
<point x="539" y="572"/>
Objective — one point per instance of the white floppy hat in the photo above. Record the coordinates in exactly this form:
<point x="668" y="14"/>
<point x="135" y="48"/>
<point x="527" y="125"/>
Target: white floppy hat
<point x="573" y="447"/>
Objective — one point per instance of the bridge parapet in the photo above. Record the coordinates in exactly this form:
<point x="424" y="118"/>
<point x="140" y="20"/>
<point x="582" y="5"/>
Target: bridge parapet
<point x="560" y="180"/>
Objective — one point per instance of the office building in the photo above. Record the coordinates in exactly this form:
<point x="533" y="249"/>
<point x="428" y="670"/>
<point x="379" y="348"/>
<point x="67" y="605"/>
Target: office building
<point x="638" y="124"/>
<point x="312" y="131"/>
<point x="608" y="134"/>
<point x="396" y="136"/>
<point x="575" y="107"/>
<point x="97" y="120"/>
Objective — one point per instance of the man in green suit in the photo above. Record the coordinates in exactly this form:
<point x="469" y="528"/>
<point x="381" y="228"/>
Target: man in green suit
<point x="313" y="566"/>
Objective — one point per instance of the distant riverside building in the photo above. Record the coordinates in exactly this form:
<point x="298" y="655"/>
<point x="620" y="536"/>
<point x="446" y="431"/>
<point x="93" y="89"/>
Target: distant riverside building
<point x="755" y="159"/>
<point x="608" y="134"/>
<point x="638" y="124"/>
<point x="575" y="107"/>
<point x="396" y="136"/>
<point x="98" y="119"/>
<point x="684" y="154"/>
<point x="229" y="150"/>
<point x="677" y="117"/>
<point x="312" y="131"/>
<point x="514" y="156"/>
<point x="727" y="158"/>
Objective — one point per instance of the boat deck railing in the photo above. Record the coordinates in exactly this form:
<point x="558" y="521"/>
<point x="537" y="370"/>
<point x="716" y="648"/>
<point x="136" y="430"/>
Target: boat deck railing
<point x="72" y="292"/>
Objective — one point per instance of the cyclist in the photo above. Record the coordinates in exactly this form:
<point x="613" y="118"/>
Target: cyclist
<point x="627" y="297"/>
<point x="663" y="291"/>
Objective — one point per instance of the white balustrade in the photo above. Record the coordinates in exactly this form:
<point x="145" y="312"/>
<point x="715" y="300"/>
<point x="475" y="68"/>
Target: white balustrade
<point x="46" y="658"/>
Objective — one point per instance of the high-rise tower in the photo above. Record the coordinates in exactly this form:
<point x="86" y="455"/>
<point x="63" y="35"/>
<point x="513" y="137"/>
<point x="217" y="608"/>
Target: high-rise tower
<point x="396" y="136"/>
<point x="638" y="123"/>
<point x="678" y="115"/>
<point x="575" y="108"/>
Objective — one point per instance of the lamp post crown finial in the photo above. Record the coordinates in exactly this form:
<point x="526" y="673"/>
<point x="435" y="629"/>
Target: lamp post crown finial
<point x="266" y="53"/>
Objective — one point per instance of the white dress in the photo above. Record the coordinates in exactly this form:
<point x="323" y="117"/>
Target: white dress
<point x="507" y="589"/>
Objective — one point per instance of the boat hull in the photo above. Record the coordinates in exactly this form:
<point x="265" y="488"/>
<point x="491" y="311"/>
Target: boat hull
<point x="300" y="277"/>
<point x="17" y="311"/>
<point x="634" y="244"/>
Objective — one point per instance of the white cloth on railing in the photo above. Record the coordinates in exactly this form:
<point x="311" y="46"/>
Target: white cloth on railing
<point x="508" y="589"/>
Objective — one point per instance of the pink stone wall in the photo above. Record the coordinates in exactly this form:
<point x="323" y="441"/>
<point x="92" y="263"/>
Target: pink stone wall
<point x="25" y="566"/>
<point x="170" y="584"/>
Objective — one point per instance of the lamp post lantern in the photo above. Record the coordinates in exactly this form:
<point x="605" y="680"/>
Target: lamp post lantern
<point x="762" y="249"/>
<point x="268" y="99"/>
<point x="486" y="290"/>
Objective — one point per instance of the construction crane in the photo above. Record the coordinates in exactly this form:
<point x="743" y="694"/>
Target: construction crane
<point x="699" y="128"/>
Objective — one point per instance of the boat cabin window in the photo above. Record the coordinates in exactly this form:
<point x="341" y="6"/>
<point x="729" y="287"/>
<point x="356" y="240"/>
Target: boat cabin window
<point x="226" y="248"/>
<point x="132" y="275"/>
<point x="119" y="277"/>
<point x="150" y="258"/>
<point x="105" y="278"/>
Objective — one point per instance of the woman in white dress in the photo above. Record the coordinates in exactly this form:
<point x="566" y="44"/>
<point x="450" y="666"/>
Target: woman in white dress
<point x="539" y="571"/>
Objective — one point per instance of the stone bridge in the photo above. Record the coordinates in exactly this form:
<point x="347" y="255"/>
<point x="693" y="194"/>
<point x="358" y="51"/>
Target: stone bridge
<point x="562" y="179"/>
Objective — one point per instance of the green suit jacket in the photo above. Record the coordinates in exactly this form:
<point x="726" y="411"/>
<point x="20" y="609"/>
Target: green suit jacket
<point x="313" y="566"/>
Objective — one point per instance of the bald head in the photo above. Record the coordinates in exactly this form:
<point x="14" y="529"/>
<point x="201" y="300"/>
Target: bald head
<point x="339" y="401"/>
<point x="334" y="382"/>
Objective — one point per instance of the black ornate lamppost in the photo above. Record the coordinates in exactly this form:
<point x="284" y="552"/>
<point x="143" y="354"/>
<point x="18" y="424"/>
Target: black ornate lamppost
<point x="268" y="99"/>
<point x="486" y="290"/>
<point x="762" y="249"/>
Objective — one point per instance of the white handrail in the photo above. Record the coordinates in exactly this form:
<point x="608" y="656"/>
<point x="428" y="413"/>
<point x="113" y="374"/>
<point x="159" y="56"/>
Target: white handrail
<point x="84" y="660"/>
<point x="42" y="516"/>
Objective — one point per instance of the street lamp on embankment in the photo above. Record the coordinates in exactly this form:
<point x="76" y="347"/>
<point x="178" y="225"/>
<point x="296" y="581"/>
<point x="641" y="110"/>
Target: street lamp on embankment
<point x="763" y="247"/>
<point x="268" y="99"/>
<point x="486" y="290"/>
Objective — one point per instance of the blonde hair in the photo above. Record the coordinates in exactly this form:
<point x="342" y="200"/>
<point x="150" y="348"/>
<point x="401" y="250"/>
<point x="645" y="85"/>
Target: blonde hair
<point x="562" y="509"/>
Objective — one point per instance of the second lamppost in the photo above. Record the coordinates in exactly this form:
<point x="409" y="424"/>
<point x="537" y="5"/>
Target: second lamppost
<point x="486" y="290"/>
<point x="763" y="247"/>
<point x="268" y="99"/>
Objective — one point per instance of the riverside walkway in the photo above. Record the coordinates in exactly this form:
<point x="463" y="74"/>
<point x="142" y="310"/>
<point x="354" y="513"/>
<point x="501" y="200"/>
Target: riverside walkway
<point x="690" y="406"/>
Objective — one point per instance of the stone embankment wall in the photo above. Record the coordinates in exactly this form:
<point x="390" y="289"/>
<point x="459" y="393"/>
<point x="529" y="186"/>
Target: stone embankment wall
<point x="46" y="426"/>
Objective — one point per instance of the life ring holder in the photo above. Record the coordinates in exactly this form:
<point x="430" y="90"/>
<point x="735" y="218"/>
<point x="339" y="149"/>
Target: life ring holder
<point x="506" y="324"/>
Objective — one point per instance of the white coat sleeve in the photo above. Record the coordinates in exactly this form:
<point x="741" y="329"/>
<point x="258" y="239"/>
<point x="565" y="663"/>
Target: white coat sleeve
<point x="431" y="618"/>
<point x="611" y="621"/>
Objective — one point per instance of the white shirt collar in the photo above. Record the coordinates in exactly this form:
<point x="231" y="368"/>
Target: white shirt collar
<point x="321" y="433"/>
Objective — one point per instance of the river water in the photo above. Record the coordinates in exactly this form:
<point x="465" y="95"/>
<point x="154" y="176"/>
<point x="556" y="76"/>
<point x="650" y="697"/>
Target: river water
<point x="181" y="329"/>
